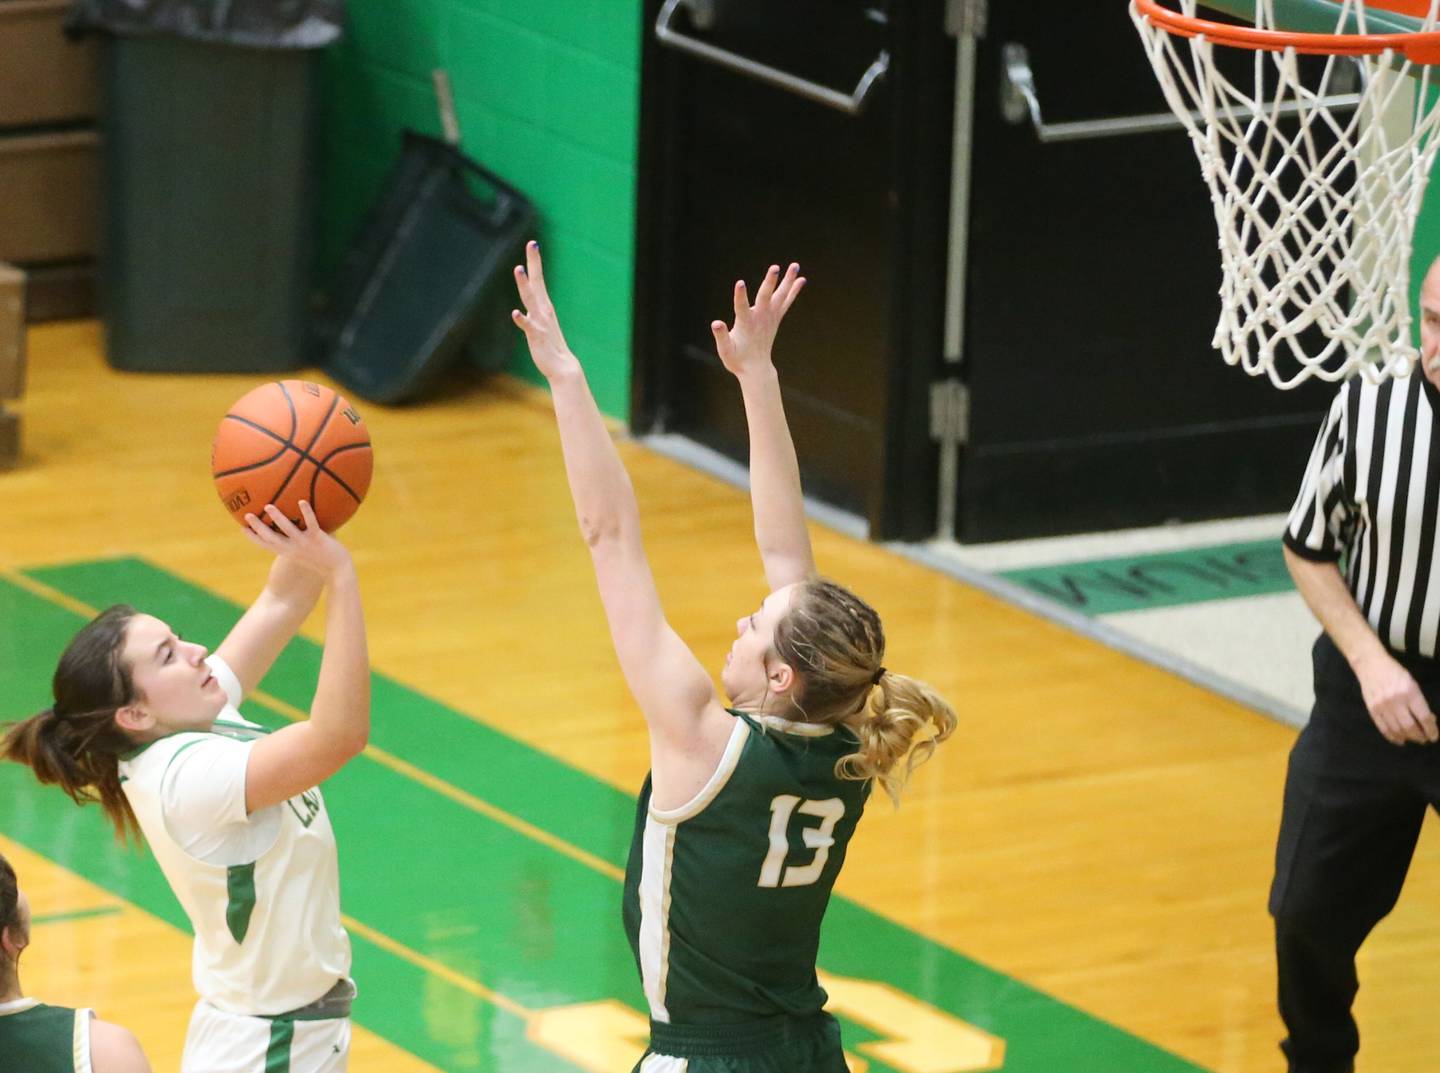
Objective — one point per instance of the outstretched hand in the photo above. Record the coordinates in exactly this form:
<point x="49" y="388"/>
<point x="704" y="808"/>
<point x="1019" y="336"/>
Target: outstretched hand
<point x="747" y="344"/>
<point x="311" y="547"/>
<point x="548" y="349"/>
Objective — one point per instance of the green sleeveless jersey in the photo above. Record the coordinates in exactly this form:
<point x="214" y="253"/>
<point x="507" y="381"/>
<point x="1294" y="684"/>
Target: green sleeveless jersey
<point x="35" y="1038"/>
<point x="724" y="896"/>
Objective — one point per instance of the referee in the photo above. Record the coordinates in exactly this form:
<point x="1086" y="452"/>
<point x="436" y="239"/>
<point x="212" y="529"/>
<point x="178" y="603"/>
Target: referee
<point x="1361" y="544"/>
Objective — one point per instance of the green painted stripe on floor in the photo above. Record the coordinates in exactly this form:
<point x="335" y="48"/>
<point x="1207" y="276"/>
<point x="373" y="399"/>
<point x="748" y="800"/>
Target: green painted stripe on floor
<point x="75" y="914"/>
<point x="1163" y="579"/>
<point x="478" y="897"/>
<point x="445" y="742"/>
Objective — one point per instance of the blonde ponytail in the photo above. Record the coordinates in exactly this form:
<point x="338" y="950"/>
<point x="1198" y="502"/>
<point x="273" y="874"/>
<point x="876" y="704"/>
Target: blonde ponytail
<point x="905" y="721"/>
<point x="836" y="644"/>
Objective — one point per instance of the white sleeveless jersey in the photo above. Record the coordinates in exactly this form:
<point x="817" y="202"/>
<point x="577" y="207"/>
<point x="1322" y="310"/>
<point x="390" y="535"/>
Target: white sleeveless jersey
<point x="263" y="891"/>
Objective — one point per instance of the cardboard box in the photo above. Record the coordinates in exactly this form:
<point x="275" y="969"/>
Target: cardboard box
<point x="12" y="332"/>
<point x="45" y="77"/>
<point x="49" y="195"/>
<point x="60" y="292"/>
<point x="9" y="440"/>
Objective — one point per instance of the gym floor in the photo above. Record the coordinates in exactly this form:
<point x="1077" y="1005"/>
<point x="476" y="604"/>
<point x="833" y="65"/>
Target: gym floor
<point x="1076" y="882"/>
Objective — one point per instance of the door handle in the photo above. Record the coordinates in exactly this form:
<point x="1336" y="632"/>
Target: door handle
<point x="1019" y="101"/>
<point x="850" y="104"/>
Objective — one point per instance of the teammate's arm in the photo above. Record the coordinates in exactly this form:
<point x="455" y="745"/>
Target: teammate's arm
<point x="673" y="690"/>
<point x="1392" y="696"/>
<point x="302" y="755"/>
<point x="775" y="495"/>
<point x="115" y="1050"/>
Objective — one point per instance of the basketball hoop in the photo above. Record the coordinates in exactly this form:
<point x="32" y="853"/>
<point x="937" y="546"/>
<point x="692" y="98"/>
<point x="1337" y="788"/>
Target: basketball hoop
<point x="1315" y="187"/>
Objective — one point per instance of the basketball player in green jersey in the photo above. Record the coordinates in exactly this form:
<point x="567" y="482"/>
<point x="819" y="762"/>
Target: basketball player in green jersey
<point x="743" y="823"/>
<point x="36" y="1038"/>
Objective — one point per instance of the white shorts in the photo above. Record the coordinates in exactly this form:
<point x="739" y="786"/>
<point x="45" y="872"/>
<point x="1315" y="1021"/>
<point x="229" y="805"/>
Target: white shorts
<point x="220" y="1042"/>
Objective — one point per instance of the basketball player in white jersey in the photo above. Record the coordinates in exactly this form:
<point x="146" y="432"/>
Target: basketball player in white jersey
<point x="145" y="723"/>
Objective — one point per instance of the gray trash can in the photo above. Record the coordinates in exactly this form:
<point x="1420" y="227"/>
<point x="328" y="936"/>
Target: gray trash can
<point x="210" y="138"/>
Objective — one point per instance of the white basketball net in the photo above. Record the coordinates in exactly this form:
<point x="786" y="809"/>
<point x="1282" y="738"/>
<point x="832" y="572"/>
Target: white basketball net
<point x="1316" y="186"/>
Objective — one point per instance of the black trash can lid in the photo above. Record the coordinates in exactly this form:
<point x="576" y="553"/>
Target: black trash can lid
<point x="277" y="24"/>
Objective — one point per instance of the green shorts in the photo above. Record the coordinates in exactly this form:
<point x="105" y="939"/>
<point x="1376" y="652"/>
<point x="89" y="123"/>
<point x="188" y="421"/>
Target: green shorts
<point x="776" y="1045"/>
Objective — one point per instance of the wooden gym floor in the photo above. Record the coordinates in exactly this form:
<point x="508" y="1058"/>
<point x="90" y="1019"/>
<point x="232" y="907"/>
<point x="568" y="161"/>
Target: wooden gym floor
<point x="1076" y="882"/>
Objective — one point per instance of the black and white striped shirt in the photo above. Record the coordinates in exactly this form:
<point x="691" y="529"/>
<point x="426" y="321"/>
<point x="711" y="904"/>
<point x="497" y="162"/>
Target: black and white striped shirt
<point x="1370" y="501"/>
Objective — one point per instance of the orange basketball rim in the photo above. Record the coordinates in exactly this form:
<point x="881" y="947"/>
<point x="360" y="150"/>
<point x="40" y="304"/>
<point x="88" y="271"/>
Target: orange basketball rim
<point x="1421" y="47"/>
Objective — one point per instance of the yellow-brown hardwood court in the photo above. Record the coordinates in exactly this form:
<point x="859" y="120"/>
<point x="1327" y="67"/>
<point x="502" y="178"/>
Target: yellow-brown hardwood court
<point x="1098" y="828"/>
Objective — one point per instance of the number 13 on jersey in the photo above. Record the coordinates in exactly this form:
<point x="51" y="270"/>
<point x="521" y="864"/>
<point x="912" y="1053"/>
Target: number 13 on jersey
<point x="774" y="873"/>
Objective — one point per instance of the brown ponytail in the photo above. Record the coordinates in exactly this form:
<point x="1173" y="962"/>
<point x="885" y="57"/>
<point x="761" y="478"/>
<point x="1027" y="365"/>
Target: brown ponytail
<point x="835" y="643"/>
<point x="76" y="743"/>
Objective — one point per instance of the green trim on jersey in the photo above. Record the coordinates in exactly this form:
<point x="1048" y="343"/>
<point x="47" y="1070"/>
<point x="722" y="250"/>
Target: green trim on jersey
<point x="231" y="729"/>
<point x="131" y="754"/>
<point x="277" y="1055"/>
<point x="240" y="885"/>
<point x="176" y="754"/>
<point x="228" y="728"/>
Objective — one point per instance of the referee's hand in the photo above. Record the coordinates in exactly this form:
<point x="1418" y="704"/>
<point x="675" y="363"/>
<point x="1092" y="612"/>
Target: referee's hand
<point x="1395" y="702"/>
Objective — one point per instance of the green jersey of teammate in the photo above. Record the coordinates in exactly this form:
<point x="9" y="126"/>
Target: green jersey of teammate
<point x="35" y="1038"/>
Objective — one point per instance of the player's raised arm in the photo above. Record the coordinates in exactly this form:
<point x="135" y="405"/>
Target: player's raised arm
<point x="775" y="493"/>
<point x="304" y="754"/>
<point x="671" y="687"/>
<point x="256" y="641"/>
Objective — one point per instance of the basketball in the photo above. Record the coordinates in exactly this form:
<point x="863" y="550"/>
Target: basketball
<point x="287" y="441"/>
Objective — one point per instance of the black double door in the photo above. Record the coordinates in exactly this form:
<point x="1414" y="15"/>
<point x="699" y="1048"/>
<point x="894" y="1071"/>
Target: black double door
<point x="741" y="169"/>
<point x="1089" y="291"/>
<point x="1096" y="399"/>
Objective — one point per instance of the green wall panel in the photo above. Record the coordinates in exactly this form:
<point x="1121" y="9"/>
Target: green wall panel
<point x="547" y="93"/>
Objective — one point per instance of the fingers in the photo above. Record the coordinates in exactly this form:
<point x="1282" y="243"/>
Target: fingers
<point x="786" y="290"/>
<point x="530" y="278"/>
<point x="724" y="345"/>
<point x="782" y="284"/>
<point x="1405" y="727"/>
<point x="1391" y="726"/>
<point x="1416" y="719"/>
<point x="1422" y="721"/>
<point x="1388" y="721"/>
<point x="276" y="530"/>
<point x="258" y="533"/>
<point x="522" y="285"/>
<point x="307" y="515"/>
<point x="792" y="294"/>
<point x="280" y="522"/>
<point x="534" y="266"/>
<point x="742" y="302"/>
<point x="1406" y="719"/>
<point x="755" y="324"/>
<point x="767" y="285"/>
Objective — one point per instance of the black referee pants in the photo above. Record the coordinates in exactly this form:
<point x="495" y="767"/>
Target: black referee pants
<point x="1353" y="808"/>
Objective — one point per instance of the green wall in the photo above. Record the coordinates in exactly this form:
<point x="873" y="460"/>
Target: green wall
<point x="547" y="93"/>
